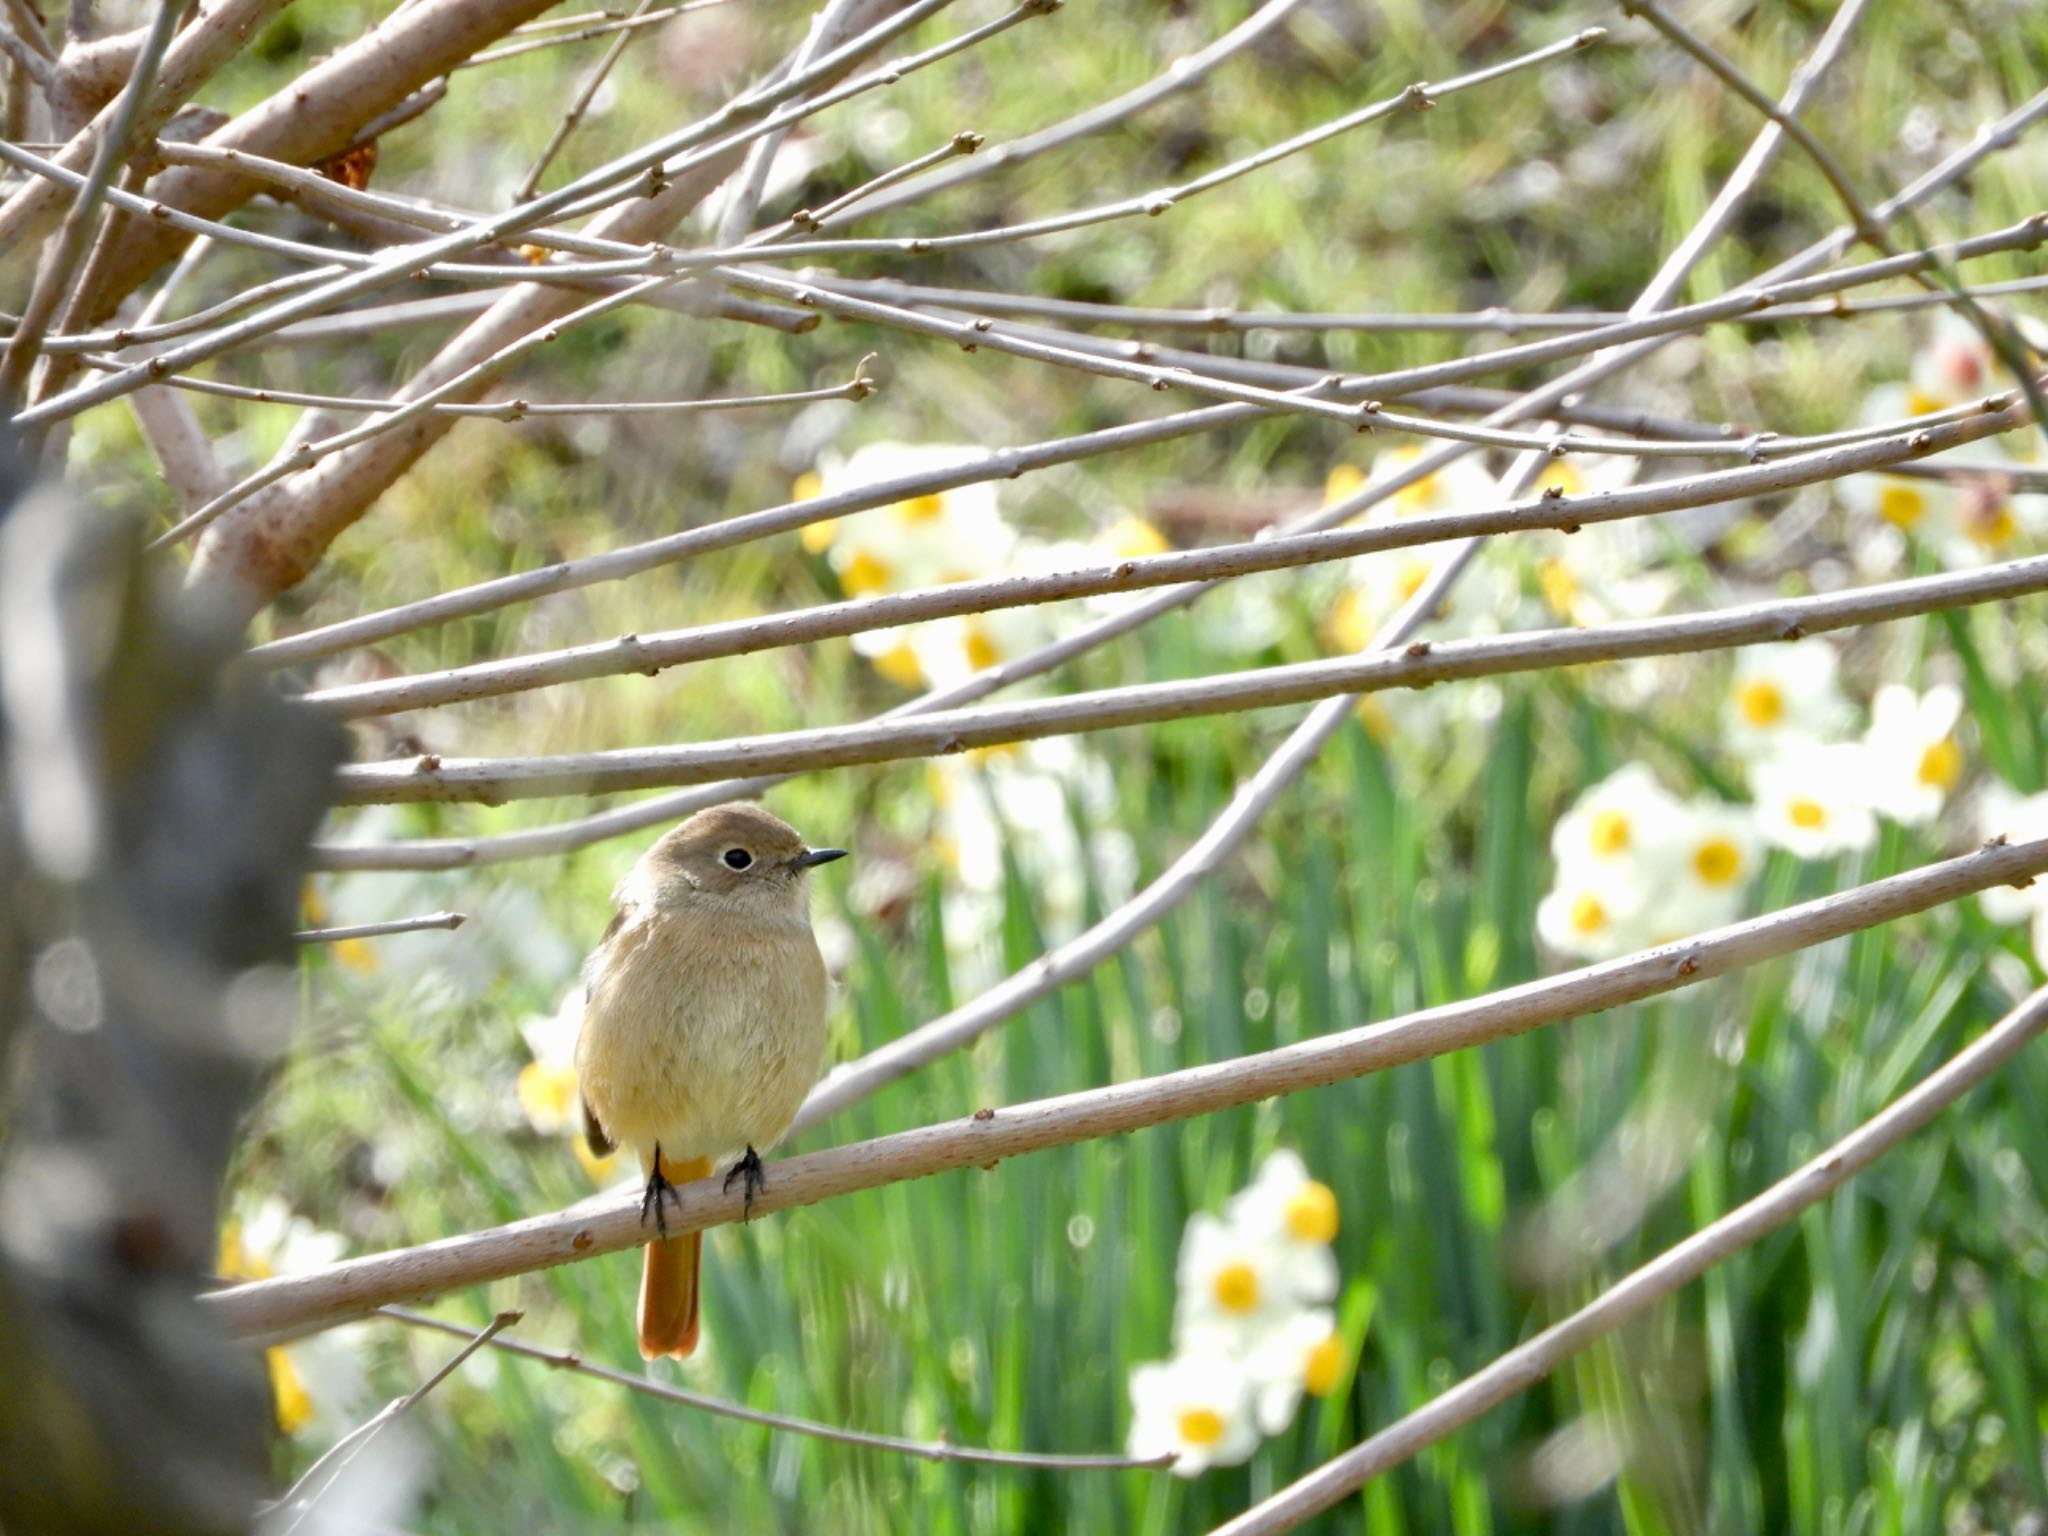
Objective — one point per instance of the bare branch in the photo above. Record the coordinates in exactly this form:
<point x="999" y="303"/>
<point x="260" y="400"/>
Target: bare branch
<point x="1860" y="218"/>
<point x="214" y="37"/>
<point x="493" y="780"/>
<point x="53" y="276"/>
<point x="579" y="103"/>
<point x="357" y="1287"/>
<point x="1182" y="74"/>
<point x="1529" y="1363"/>
<point x="379" y="930"/>
<point x="652" y="653"/>
<point x="924" y="1450"/>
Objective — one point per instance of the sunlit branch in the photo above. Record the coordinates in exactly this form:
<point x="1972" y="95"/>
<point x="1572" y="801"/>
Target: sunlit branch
<point x="493" y="780"/>
<point x="653" y="652"/>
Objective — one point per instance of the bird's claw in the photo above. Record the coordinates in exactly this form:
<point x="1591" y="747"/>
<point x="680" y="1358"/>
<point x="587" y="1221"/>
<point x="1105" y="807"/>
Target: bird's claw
<point x="748" y="1171"/>
<point x="658" y="1187"/>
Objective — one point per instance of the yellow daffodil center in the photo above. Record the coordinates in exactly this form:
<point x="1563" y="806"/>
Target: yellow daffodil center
<point x="236" y="1262"/>
<point x="1237" y="1287"/>
<point x="1347" y="626"/>
<point x="294" y="1407"/>
<point x="1992" y="526"/>
<point x="818" y="537"/>
<point x="1419" y="497"/>
<point x="981" y="651"/>
<point x="1373" y="715"/>
<point x="1920" y="404"/>
<point x="864" y="574"/>
<point x="1609" y="833"/>
<point x="1312" y="1213"/>
<point x="899" y="665"/>
<point x="806" y="486"/>
<point x="547" y="1092"/>
<point x="1941" y="765"/>
<point x="1201" y="1426"/>
<point x="1413" y="574"/>
<point x="1806" y="813"/>
<point x="1560" y="588"/>
<point x="1344" y="481"/>
<point x="1717" y="861"/>
<point x="1325" y="1366"/>
<point x="1132" y="538"/>
<point x="1761" y="702"/>
<point x="1565" y="477"/>
<point x="1588" y="916"/>
<point x="1900" y="505"/>
<point x="920" y="509"/>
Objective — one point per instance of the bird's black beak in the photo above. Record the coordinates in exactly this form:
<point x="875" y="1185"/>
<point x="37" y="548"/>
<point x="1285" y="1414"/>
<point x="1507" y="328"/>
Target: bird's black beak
<point x="812" y="856"/>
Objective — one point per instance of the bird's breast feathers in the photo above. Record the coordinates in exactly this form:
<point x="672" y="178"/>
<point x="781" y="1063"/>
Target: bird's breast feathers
<point x="702" y="1030"/>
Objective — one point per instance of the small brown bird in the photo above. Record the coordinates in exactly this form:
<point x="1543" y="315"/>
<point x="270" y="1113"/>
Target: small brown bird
<point x="703" y="1025"/>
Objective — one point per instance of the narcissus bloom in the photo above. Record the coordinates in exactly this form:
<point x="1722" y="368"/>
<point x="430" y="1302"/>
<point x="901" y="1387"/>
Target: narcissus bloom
<point x="1196" y="1407"/>
<point x="1811" y="799"/>
<point x="1913" y="760"/>
<point x="1782" y="696"/>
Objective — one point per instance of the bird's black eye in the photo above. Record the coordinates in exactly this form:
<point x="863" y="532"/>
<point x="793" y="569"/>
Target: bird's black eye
<point x="737" y="858"/>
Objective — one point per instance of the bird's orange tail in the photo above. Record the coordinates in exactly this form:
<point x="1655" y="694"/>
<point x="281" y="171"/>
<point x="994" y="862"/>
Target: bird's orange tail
<point x="668" y="1279"/>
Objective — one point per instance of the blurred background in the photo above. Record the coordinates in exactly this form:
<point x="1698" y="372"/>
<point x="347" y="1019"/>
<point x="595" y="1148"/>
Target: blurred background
<point x="1876" y="1368"/>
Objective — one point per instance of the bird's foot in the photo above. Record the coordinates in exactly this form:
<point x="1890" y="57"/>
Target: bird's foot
<point x="748" y="1171"/>
<point x="658" y="1189"/>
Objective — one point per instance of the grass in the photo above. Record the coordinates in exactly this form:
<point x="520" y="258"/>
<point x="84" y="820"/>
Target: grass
<point x="1877" y="1368"/>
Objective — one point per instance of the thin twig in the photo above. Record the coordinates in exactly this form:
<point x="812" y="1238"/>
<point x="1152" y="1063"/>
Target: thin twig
<point x="379" y="930"/>
<point x="924" y="1450"/>
<point x="304" y="1494"/>
<point x="1721" y="68"/>
<point x="356" y="1287"/>
<point x="859" y="387"/>
<point x="1182" y="74"/>
<point x="1529" y="1363"/>
<point x="1005" y="463"/>
<point x="579" y="103"/>
<point x="637" y="21"/>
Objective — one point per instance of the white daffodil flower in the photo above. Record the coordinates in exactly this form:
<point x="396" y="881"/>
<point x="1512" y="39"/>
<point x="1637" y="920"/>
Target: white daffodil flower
<point x="1305" y="1354"/>
<point x="1236" y="1286"/>
<point x="547" y="1086"/>
<point x="1594" y="912"/>
<point x="2003" y="812"/>
<point x="1636" y="866"/>
<point x="1017" y="798"/>
<point x="1710" y="862"/>
<point x="1297" y="1216"/>
<point x="1781" y="696"/>
<point x="922" y="541"/>
<point x="318" y="1386"/>
<point x="1810" y="799"/>
<point x="1912" y="758"/>
<point x="1196" y="1407"/>
<point x="1605" y="571"/>
<point x="1621" y="822"/>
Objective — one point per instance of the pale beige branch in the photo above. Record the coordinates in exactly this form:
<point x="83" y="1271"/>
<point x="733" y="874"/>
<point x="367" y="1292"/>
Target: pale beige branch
<point x="651" y="653"/>
<point x="494" y="780"/>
